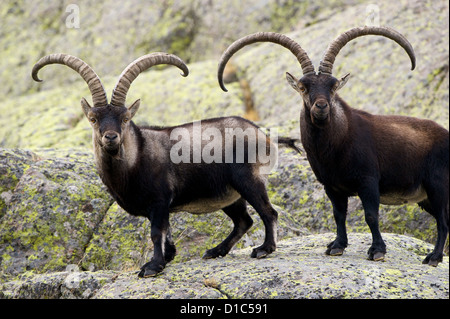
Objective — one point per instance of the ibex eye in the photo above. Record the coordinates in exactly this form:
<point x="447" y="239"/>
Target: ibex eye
<point x="302" y="89"/>
<point x="335" y="87"/>
<point x="93" y="120"/>
<point x="125" y="120"/>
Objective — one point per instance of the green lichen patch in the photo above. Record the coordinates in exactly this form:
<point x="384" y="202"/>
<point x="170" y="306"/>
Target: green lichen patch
<point x="121" y="242"/>
<point x="55" y="207"/>
<point x="13" y="163"/>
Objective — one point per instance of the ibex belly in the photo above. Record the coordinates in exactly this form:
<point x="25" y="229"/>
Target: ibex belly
<point x="208" y="205"/>
<point x="416" y="196"/>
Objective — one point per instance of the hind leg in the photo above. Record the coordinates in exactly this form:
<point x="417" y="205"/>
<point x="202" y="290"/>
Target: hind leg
<point x="254" y="191"/>
<point x="169" y="248"/>
<point x="242" y="223"/>
<point x="269" y="217"/>
<point x="439" y="210"/>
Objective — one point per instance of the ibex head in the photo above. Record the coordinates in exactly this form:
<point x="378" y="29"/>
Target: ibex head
<point x="316" y="90"/>
<point x="109" y="124"/>
<point x="110" y="121"/>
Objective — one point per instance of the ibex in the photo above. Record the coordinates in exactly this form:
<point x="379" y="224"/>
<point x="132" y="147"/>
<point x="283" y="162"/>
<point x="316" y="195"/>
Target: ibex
<point x="390" y="160"/>
<point x="147" y="172"/>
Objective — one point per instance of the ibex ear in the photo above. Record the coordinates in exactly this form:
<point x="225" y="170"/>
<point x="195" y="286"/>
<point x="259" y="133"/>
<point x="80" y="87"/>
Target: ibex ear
<point x="134" y="107"/>
<point x="293" y="81"/>
<point x="85" y="105"/>
<point x="342" y="81"/>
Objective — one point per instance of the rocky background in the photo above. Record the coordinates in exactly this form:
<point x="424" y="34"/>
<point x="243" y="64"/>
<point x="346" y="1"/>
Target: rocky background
<point x="61" y="234"/>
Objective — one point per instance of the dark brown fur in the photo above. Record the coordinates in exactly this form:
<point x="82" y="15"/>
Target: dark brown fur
<point x="135" y="164"/>
<point x="382" y="159"/>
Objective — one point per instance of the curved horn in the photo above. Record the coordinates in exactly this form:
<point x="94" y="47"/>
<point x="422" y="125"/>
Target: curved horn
<point x="277" y="38"/>
<point x="326" y="65"/>
<point x="131" y="72"/>
<point x="87" y="73"/>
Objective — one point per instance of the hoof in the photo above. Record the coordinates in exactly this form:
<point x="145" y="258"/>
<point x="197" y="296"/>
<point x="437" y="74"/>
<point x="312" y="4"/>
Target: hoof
<point x="336" y="248"/>
<point x="433" y="263"/>
<point x="377" y="256"/>
<point x="214" y="253"/>
<point x="150" y="270"/>
<point x="432" y="260"/>
<point x="206" y="255"/>
<point x="335" y="251"/>
<point x="146" y="273"/>
<point x="261" y="252"/>
<point x="210" y="255"/>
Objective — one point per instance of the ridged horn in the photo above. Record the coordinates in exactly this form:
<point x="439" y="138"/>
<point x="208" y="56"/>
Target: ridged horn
<point x="131" y="72"/>
<point x="326" y="65"/>
<point x="291" y="45"/>
<point x="87" y="73"/>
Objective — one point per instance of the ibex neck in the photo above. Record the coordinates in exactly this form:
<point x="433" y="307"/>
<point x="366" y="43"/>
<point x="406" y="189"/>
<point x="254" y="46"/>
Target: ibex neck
<point x="340" y="118"/>
<point x="331" y="135"/>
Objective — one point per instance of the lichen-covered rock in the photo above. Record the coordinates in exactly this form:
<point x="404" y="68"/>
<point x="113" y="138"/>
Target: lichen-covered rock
<point x="55" y="211"/>
<point x="298" y="269"/>
<point x="52" y="213"/>
<point x="67" y="284"/>
<point x="13" y="163"/>
<point x="120" y="242"/>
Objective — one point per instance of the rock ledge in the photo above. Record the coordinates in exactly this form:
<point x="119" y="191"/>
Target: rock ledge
<point x="298" y="269"/>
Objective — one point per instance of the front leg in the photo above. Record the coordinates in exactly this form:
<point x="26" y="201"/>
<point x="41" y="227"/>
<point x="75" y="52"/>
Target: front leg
<point x="370" y="198"/>
<point x="340" y="203"/>
<point x="159" y="219"/>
